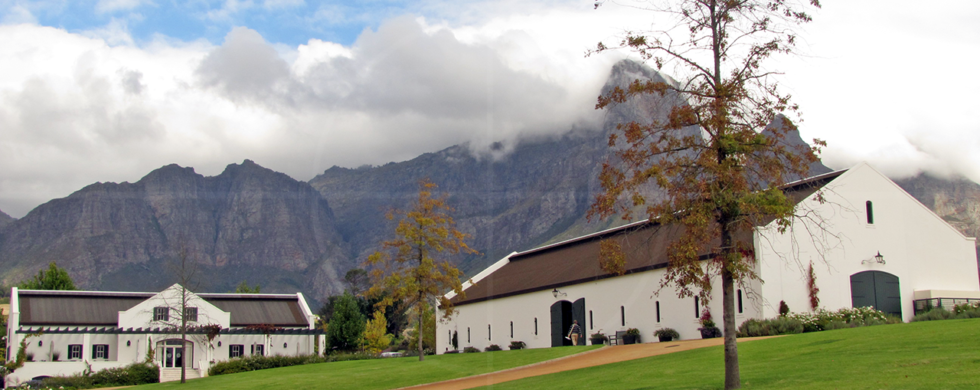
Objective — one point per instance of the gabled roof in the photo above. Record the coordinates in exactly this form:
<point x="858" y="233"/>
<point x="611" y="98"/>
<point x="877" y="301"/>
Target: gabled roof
<point x="101" y="308"/>
<point x="576" y="260"/>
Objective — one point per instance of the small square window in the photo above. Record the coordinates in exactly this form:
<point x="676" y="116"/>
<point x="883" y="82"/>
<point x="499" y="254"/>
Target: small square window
<point x="161" y="314"/>
<point x="100" y="351"/>
<point x="190" y="314"/>
<point x="75" y="351"/>
<point x="236" y="350"/>
<point x="258" y="349"/>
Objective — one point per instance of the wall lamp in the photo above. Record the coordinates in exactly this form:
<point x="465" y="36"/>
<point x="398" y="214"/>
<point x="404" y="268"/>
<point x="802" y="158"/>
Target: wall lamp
<point x="877" y="259"/>
<point x="557" y="293"/>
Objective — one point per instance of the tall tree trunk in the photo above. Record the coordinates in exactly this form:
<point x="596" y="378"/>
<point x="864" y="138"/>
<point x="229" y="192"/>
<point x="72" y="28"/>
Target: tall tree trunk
<point x="421" y="355"/>
<point x="733" y="379"/>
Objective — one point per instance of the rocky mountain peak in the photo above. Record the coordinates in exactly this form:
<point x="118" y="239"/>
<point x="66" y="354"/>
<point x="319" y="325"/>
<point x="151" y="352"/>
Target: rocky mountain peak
<point x="5" y="220"/>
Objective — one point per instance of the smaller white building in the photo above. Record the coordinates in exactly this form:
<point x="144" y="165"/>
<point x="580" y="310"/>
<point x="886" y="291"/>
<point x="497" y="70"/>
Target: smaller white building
<point x="859" y="214"/>
<point x="66" y="331"/>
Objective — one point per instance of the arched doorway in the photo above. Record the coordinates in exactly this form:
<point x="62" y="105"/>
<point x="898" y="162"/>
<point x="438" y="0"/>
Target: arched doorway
<point x="562" y="315"/>
<point x="172" y="354"/>
<point x="876" y="289"/>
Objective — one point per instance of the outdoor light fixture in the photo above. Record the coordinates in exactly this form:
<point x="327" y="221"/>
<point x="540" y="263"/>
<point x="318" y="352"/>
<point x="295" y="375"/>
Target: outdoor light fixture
<point x="557" y="293"/>
<point x="877" y="259"/>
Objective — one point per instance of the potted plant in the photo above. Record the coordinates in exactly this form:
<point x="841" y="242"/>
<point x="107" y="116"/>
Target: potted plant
<point x="708" y="328"/>
<point x="632" y="336"/>
<point x="517" y="345"/>
<point x="667" y="334"/>
<point x="598" y="338"/>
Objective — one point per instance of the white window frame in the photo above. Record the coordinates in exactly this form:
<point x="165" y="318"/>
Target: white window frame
<point x="161" y="313"/>
<point x="74" y="352"/>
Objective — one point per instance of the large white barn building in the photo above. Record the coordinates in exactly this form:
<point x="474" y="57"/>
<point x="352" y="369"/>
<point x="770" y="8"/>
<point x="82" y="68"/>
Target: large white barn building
<point x="115" y="329"/>
<point x="533" y="296"/>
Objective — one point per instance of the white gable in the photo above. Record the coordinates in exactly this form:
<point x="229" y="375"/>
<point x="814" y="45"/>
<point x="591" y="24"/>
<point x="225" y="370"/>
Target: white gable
<point x="141" y="315"/>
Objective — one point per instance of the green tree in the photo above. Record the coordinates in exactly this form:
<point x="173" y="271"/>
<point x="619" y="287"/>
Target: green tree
<point x="411" y="268"/>
<point x="56" y="278"/>
<point x="376" y="337"/>
<point x="428" y="331"/>
<point x="244" y="288"/>
<point x="346" y="328"/>
<point x="718" y="174"/>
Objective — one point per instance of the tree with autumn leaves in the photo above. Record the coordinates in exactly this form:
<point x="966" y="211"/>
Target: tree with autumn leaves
<point x="718" y="174"/>
<point x="413" y="268"/>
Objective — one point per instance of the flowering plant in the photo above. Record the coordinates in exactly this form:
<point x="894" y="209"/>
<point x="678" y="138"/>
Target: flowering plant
<point x="705" y="319"/>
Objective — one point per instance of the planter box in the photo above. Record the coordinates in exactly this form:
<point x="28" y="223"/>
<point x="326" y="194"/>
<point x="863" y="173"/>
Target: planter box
<point x="710" y="333"/>
<point x="598" y="341"/>
<point x="627" y="339"/>
<point x="664" y="339"/>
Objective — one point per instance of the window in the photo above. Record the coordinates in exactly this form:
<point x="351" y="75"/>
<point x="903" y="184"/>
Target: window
<point x="535" y="326"/>
<point x="75" y="351"/>
<point x="258" y="349"/>
<point x="236" y="350"/>
<point x="100" y="351"/>
<point x="512" y="329"/>
<point x="591" y="324"/>
<point x="467" y="334"/>
<point x="489" y="333"/>
<point x="622" y="314"/>
<point x="161" y="314"/>
<point x="870" y="211"/>
<point x="697" y="308"/>
<point x="190" y="314"/>
<point x="739" y="301"/>
<point x="658" y="311"/>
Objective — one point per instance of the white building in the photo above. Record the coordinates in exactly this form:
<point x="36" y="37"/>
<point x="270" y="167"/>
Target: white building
<point x="115" y="329"/>
<point x="533" y="296"/>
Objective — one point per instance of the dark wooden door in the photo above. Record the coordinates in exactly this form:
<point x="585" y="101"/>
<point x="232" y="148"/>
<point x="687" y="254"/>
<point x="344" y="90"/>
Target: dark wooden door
<point x="578" y="314"/>
<point x="876" y="289"/>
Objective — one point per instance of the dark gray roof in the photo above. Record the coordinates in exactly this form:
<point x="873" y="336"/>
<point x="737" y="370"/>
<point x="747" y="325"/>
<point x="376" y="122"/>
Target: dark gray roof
<point x="98" y="308"/>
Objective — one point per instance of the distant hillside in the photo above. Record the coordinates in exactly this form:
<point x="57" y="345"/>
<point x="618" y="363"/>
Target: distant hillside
<point x="5" y="219"/>
<point x="246" y="223"/>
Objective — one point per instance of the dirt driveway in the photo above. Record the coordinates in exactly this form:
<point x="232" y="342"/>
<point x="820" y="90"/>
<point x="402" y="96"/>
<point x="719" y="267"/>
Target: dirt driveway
<point x="597" y="357"/>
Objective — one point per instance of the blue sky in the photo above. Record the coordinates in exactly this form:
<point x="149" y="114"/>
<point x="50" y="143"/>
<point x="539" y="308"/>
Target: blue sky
<point x="108" y="90"/>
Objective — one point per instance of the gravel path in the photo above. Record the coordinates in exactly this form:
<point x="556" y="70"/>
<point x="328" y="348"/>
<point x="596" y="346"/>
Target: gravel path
<point x="597" y="357"/>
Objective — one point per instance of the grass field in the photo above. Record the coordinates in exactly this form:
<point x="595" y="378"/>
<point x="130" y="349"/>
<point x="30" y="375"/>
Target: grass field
<point x="921" y="355"/>
<point x="375" y="374"/>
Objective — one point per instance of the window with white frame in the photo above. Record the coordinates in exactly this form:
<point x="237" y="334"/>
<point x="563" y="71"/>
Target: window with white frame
<point x="100" y="351"/>
<point x="75" y="351"/>
<point x="258" y="349"/>
<point x="161" y="314"/>
<point x="236" y="350"/>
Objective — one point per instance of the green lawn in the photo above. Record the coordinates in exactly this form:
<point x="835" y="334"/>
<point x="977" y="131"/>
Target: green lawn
<point x="375" y="374"/>
<point x="921" y="355"/>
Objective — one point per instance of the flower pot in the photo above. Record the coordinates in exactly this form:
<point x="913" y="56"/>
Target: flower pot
<point x="664" y="339"/>
<point x="598" y="341"/>
<point x="710" y="333"/>
<point x="631" y="339"/>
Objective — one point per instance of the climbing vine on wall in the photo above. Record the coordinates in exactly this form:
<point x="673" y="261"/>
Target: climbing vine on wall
<point x="812" y="289"/>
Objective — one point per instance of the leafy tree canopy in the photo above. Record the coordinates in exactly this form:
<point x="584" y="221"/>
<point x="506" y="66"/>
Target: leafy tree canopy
<point x="244" y="288"/>
<point x="346" y="329"/>
<point x="54" y="278"/>
<point x="413" y="267"/>
<point x="717" y="174"/>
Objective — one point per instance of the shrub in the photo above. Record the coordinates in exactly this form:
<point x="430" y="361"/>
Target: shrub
<point x="783" y="308"/>
<point x="632" y="332"/>
<point x="471" y="350"/>
<point x="493" y="347"/>
<point x="259" y="362"/>
<point x="598" y="338"/>
<point x="792" y="323"/>
<point x="517" y="345"/>
<point x="131" y="375"/>
<point x="964" y="311"/>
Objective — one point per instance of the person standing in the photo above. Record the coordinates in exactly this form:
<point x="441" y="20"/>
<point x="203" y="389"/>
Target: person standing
<point x="574" y="332"/>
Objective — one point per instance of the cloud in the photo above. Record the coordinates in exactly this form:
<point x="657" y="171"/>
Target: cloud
<point x="108" y="6"/>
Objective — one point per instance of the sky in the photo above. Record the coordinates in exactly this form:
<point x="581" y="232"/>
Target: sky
<point x="108" y="90"/>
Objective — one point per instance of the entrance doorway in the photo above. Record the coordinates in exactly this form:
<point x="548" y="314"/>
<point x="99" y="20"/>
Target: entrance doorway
<point x="876" y="289"/>
<point x="562" y="315"/>
<point x="172" y="353"/>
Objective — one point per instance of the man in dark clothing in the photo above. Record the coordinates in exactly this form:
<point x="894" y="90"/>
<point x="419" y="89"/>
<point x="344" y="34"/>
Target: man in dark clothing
<point x="575" y="332"/>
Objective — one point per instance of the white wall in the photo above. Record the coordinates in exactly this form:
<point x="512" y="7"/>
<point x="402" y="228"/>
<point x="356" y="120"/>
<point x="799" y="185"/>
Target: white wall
<point x="634" y="292"/>
<point x="919" y="248"/>
<point x="141" y="315"/>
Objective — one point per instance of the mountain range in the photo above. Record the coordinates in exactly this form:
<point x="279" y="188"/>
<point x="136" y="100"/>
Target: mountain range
<point x="252" y="224"/>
